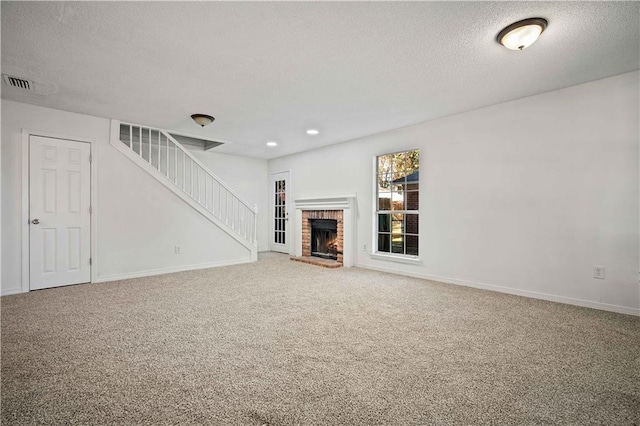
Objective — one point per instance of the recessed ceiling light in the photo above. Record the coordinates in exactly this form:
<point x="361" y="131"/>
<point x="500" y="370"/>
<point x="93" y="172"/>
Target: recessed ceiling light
<point x="272" y="143"/>
<point x="312" y="132"/>
<point x="522" y="34"/>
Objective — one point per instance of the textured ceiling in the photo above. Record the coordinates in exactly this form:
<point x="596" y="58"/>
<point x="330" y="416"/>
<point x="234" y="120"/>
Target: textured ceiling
<point x="269" y="71"/>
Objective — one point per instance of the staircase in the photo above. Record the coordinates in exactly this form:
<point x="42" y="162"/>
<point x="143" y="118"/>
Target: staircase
<point x="175" y="167"/>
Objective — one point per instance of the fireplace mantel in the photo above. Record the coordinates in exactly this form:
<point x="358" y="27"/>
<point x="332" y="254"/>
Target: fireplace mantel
<point x="345" y="203"/>
<point x="338" y="202"/>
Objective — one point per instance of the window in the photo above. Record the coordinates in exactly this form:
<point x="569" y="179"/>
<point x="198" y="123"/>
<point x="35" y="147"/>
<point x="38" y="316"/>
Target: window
<point x="397" y="203"/>
<point x="280" y="212"/>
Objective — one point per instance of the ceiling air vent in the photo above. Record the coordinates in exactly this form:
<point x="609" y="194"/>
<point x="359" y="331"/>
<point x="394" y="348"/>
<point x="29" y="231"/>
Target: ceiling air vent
<point x="19" y="83"/>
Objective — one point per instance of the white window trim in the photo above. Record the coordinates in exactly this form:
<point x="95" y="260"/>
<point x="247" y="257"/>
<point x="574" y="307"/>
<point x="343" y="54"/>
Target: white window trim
<point x="404" y="258"/>
<point x="373" y="253"/>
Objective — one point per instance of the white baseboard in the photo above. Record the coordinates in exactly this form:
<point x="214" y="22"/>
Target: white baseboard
<point x="11" y="291"/>
<point x="161" y="271"/>
<point x="517" y="292"/>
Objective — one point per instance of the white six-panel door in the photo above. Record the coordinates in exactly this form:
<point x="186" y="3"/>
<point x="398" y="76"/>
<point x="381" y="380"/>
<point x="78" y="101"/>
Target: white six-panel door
<point x="60" y="220"/>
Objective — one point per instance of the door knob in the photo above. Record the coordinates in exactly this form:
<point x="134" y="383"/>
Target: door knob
<point x="35" y="221"/>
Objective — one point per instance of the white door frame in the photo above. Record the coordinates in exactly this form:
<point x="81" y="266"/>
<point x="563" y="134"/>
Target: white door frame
<point x="26" y="133"/>
<point x="289" y="204"/>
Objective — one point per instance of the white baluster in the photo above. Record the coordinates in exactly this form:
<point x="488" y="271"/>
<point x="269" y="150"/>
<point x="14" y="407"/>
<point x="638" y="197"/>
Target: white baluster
<point x="207" y="192"/>
<point x="184" y="172"/>
<point x="255" y="223"/>
<point x="226" y="205"/>
<point x="222" y="204"/>
<point x="247" y="216"/>
<point x="167" y="141"/>
<point x="175" y="161"/>
<point x="206" y="201"/>
<point x="199" y="185"/>
<point x="235" y="214"/>
<point x="240" y="218"/>
<point x="219" y="199"/>
<point x="244" y="221"/>
<point x="159" y="149"/>
<point x="213" y="205"/>
<point x="213" y="197"/>
<point x="194" y="179"/>
<point x="191" y="174"/>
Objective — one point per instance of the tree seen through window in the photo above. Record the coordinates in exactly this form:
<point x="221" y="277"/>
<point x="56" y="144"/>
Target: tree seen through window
<point x="398" y="202"/>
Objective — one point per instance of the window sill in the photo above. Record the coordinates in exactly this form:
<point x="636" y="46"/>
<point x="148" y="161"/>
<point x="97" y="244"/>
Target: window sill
<point x="394" y="258"/>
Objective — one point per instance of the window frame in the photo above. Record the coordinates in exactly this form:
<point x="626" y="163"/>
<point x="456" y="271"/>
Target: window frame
<point x="384" y="255"/>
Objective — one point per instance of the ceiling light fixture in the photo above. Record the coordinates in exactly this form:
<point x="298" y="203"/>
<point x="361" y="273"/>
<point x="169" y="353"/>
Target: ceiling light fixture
<point x="312" y="132"/>
<point x="272" y="143"/>
<point x="522" y="34"/>
<point x="202" y="119"/>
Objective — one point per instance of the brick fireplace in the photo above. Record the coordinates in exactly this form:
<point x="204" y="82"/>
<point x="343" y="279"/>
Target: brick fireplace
<point x="310" y="244"/>
<point x="324" y="231"/>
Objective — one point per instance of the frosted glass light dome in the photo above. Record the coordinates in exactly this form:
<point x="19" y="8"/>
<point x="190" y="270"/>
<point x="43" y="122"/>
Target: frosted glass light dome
<point x="202" y="119"/>
<point x="522" y="34"/>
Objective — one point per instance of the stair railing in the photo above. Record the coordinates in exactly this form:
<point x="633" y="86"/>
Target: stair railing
<point x="186" y="173"/>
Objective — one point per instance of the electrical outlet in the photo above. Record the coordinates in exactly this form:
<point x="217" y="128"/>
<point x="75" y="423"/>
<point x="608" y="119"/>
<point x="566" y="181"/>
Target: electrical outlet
<point x="178" y="250"/>
<point x="364" y="248"/>
<point x="598" y="272"/>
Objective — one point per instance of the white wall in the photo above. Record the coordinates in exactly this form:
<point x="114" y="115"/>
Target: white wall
<point x="247" y="177"/>
<point x="522" y="197"/>
<point x="139" y="221"/>
<point x="1" y="179"/>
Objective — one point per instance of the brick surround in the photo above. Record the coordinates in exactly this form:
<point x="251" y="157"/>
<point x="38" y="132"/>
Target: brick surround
<point x="336" y="215"/>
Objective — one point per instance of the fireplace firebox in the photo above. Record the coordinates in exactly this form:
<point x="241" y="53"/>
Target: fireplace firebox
<point x="327" y="247"/>
<point x="324" y="238"/>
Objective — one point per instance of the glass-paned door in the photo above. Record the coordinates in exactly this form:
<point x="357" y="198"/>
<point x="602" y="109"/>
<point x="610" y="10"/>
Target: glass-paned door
<point x="280" y="220"/>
